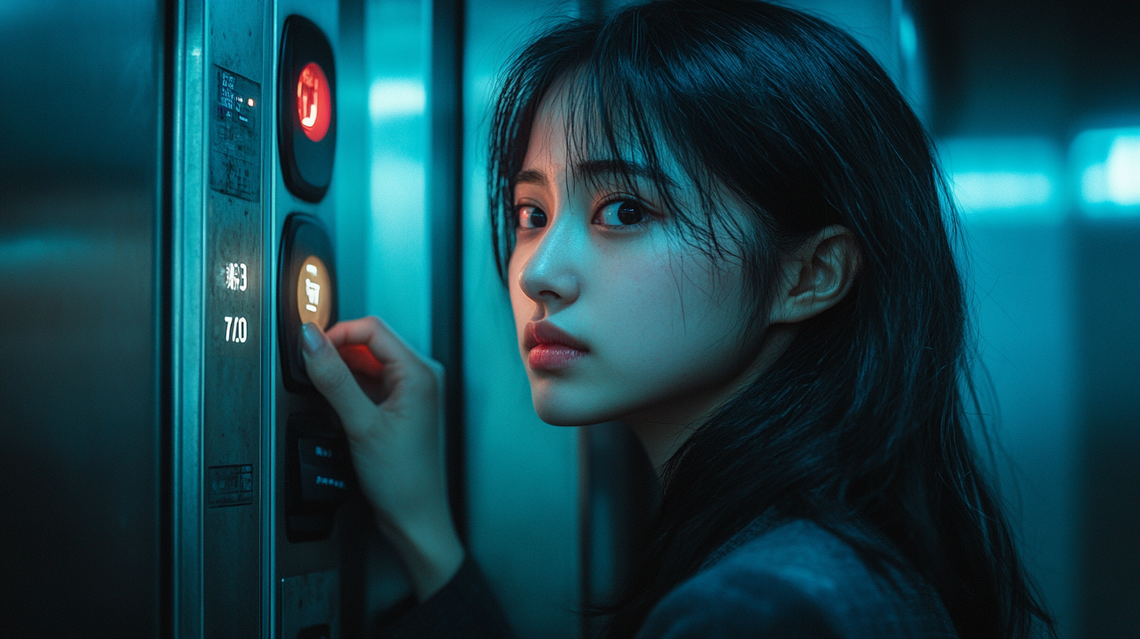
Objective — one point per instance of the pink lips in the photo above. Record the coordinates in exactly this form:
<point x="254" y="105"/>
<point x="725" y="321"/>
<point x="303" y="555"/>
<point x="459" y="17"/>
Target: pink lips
<point x="550" y="348"/>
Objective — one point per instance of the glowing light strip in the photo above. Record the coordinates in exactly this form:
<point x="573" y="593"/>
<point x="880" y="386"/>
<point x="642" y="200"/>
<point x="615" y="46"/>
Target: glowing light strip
<point x="1007" y="179"/>
<point x="982" y="191"/>
<point x="1107" y="163"/>
<point x="388" y="98"/>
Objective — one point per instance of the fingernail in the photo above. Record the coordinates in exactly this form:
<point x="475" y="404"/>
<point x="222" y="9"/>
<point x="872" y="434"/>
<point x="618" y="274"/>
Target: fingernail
<point x="310" y="337"/>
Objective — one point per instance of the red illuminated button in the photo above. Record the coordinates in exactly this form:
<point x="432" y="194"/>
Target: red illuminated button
<point x="306" y="109"/>
<point x="314" y="102"/>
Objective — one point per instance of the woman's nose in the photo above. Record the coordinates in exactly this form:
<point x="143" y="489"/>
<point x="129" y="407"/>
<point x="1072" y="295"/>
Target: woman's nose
<point x="550" y="275"/>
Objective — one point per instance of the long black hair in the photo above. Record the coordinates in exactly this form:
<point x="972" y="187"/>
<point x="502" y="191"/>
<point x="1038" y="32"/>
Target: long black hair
<point x="863" y="421"/>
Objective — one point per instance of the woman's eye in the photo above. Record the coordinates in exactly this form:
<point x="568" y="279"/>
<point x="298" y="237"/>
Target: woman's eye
<point x="621" y="213"/>
<point x="531" y="217"/>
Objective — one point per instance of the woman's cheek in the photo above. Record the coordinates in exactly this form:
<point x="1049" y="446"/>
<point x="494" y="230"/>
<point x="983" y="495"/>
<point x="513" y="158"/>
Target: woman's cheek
<point x="678" y="321"/>
<point x="642" y="316"/>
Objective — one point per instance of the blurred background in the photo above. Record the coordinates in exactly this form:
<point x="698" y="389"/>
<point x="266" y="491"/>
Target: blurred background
<point x="1034" y="107"/>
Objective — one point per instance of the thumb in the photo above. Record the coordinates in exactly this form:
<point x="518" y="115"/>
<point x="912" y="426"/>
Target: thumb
<point x="333" y="379"/>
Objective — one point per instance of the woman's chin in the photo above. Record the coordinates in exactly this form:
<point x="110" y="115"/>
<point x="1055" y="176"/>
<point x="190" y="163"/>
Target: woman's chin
<point x="567" y="412"/>
<point x="566" y="416"/>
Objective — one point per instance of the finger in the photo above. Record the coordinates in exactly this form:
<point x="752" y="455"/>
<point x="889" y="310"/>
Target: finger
<point x="386" y="346"/>
<point x="332" y="378"/>
<point x="360" y="360"/>
<point x="368" y="371"/>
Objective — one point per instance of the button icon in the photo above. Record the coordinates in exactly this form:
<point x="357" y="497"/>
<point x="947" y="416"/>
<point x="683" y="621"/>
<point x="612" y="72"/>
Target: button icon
<point x="313" y="278"/>
<point x="312" y="289"/>
<point x="314" y="101"/>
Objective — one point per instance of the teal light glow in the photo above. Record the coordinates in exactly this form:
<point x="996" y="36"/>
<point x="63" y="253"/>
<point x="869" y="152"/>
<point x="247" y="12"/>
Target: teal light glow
<point x="986" y="191"/>
<point x="1107" y="165"/>
<point x="1006" y="179"/>
<point x="908" y="37"/>
<point x="396" y="98"/>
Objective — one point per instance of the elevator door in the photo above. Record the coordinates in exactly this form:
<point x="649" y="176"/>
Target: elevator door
<point x="80" y="335"/>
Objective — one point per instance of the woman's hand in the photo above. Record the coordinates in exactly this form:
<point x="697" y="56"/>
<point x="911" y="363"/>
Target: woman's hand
<point x="388" y="398"/>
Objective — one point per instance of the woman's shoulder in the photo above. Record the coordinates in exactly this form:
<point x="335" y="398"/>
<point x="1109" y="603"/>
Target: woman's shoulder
<point x="796" y="579"/>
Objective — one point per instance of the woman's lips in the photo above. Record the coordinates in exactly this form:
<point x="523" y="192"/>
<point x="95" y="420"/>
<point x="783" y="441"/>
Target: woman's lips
<point x="553" y="357"/>
<point x="550" y="348"/>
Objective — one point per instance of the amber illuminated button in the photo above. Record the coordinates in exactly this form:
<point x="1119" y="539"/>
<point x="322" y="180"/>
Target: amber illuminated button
<point x="314" y="292"/>
<point x="314" y="102"/>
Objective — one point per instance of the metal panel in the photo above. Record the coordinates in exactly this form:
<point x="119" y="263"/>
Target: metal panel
<point x="619" y="493"/>
<point x="219" y="145"/>
<point x="80" y="338"/>
<point x="445" y="188"/>
<point x="1106" y="259"/>
<point x="310" y="606"/>
<point x="287" y="561"/>
<point x="523" y="533"/>
<point x="233" y="291"/>
<point x="121" y="518"/>
<point x="186" y="231"/>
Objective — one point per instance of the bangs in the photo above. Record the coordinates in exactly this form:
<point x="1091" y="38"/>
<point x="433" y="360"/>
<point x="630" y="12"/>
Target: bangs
<point x="622" y="122"/>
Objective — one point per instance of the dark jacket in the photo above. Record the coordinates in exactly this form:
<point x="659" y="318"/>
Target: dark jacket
<point x="793" y="579"/>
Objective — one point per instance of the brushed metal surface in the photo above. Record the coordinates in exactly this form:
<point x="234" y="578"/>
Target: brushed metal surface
<point x="311" y="602"/>
<point x="187" y="228"/>
<point x="532" y="561"/>
<point x="237" y="119"/>
<point x="79" y="424"/>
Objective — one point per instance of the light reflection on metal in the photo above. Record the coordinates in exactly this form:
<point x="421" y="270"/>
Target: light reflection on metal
<point x="396" y="97"/>
<point x="979" y="190"/>
<point x="1106" y="164"/>
<point x="1006" y="179"/>
<point x="908" y="38"/>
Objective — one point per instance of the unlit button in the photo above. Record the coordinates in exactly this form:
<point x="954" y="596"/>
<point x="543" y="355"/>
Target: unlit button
<point x="326" y="474"/>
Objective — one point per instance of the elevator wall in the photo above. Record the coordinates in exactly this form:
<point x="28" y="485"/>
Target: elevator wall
<point x="80" y="337"/>
<point x="1015" y="85"/>
<point x="522" y="473"/>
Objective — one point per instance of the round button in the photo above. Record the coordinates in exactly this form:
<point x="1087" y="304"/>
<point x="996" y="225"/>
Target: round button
<point x="314" y="102"/>
<point x="314" y="292"/>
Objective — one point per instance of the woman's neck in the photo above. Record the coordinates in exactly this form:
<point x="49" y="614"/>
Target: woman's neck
<point x="661" y="440"/>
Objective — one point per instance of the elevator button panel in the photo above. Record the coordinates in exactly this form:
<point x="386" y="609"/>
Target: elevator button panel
<point x="233" y="293"/>
<point x="320" y="476"/>
<point x="231" y="367"/>
<point x="325" y="472"/>
<point x="306" y="116"/>
<point x="306" y="292"/>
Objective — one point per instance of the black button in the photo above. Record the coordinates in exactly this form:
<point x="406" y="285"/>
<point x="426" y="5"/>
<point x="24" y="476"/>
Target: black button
<point x="323" y="451"/>
<point x="326" y="474"/>
<point x="324" y="485"/>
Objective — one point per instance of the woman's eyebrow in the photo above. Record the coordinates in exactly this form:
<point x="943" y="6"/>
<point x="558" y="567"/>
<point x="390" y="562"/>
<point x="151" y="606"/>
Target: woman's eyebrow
<point x="621" y="168"/>
<point x="531" y="176"/>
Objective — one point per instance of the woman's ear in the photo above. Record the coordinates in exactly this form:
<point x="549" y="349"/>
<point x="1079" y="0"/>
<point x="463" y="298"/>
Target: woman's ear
<point x="816" y="275"/>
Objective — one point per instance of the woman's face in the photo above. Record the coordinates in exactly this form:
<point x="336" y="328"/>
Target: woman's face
<point x="617" y="319"/>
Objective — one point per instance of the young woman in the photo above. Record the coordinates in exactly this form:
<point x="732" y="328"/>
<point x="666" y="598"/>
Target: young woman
<point x="721" y="223"/>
